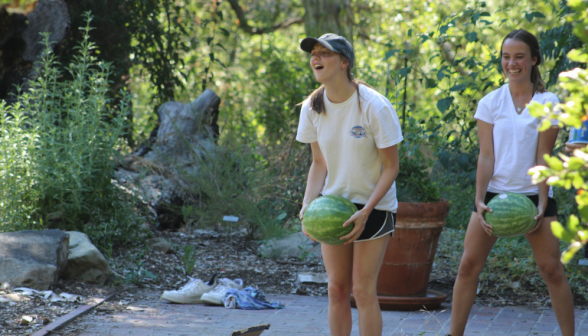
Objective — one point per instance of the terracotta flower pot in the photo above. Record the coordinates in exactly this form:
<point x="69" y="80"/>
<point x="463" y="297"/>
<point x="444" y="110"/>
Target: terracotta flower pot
<point x="406" y="268"/>
<point x="410" y="253"/>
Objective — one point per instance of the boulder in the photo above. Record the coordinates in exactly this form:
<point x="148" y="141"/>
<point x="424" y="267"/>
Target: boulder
<point x="186" y="130"/>
<point x="20" y="37"/>
<point x="295" y="245"/>
<point x="188" y="123"/>
<point x="49" y="16"/>
<point x="160" y="245"/>
<point x="156" y="188"/>
<point x="33" y="259"/>
<point x="156" y="172"/>
<point x="162" y="196"/>
<point x="85" y="263"/>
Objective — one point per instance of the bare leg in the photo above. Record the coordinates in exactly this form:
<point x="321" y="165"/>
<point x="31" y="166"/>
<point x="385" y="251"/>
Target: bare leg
<point x="367" y="259"/>
<point x="546" y="253"/>
<point x="477" y="246"/>
<point x="338" y="263"/>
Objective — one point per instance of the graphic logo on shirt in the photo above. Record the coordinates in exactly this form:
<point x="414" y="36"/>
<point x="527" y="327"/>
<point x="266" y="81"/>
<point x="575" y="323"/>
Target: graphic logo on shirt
<point x="358" y="132"/>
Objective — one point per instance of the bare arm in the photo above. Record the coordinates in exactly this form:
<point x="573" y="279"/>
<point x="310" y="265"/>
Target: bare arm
<point x="315" y="180"/>
<point x="389" y="157"/>
<point x="390" y="170"/>
<point x="545" y="145"/>
<point x="485" y="170"/>
<point x="316" y="176"/>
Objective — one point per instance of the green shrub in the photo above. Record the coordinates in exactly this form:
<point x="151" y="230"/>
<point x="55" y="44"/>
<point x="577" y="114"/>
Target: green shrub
<point x="460" y="196"/>
<point x="413" y="183"/>
<point x="19" y="191"/>
<point x="59" y="144"/>
<point x="563" y="171"/>
<point x="510" y="260"/>
<point x="237" y="179"/>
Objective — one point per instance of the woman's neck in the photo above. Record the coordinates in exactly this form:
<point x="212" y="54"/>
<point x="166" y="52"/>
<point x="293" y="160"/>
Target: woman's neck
<point x="520" y="89"/>
<point x="339" y="90"/>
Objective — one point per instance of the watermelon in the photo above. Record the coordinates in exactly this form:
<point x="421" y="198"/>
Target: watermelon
<point x="324" y="218"/>
<point x="512" y="215"/>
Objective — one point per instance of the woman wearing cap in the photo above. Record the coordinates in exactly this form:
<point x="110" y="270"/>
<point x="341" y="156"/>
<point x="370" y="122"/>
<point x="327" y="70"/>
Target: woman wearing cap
<point x="353" y="132"/>
<point x="509" y="146"/>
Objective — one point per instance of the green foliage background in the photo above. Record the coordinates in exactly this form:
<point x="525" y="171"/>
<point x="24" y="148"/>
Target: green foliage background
<point x="59" y="145"/>
<point x="569" y="172"/>
<point x="434" y="60"/>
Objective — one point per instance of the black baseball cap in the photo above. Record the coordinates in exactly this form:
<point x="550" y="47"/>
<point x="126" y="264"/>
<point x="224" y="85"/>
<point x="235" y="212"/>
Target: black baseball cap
<point x="333" y="42"/>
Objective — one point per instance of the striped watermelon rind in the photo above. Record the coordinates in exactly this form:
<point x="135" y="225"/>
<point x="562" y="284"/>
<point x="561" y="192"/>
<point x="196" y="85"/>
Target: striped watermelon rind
<point x="323" y="219"/>
<point x="512" y="215"/>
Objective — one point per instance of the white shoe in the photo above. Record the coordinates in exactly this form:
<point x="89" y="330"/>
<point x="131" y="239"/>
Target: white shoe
<point x="190" y="292"/>
<point x="217" y="295"/>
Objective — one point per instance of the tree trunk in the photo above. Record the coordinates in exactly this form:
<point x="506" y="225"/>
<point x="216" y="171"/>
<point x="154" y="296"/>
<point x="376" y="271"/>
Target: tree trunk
<point x="20" y="43"/>
<point x="328" y="16"/>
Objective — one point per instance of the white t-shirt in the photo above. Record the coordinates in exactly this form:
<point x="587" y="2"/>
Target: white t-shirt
<point x="515" y="139"/>
<point x="349" y="140"/>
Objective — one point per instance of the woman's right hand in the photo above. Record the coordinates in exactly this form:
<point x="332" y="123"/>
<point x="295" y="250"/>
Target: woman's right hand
<point x="302" y="211"/>
<point x="481" y="207"/>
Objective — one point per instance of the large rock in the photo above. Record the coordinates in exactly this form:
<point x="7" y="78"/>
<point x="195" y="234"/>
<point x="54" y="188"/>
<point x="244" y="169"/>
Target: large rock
<point x="295" y="245"/>
<point x="50" y="16"/>
<point x="20" y="37"/>
<point x="162" y="196"/>
<point x="186" y="129"/>
<point x="159" y="245"/>
<point x="33" y="259"/>
<point x="85" y="263"/>
<point x="159" y="172"/>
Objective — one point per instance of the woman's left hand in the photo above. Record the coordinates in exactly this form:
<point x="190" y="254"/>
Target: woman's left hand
<point x="359" y="218"/>
<point x="538" y="218"/>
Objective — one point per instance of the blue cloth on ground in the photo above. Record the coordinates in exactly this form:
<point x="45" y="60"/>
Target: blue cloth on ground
<point x="248" y="298"/>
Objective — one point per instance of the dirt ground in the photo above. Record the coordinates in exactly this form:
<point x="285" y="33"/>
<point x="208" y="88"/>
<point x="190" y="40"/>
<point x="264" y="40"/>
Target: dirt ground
<point x="139" y="269"/>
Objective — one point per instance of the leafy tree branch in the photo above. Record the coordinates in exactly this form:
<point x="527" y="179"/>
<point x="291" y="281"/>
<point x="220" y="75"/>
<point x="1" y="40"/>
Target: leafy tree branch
<point x="259" y="31"/>
<point x="563" y="171"/>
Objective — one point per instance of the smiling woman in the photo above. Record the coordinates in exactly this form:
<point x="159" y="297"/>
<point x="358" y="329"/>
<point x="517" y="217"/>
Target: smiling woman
<point x="353" y="132"/>
<point x="331" y="62"/>
<point x="320" y="56"/>
<point x="509" y="146"/>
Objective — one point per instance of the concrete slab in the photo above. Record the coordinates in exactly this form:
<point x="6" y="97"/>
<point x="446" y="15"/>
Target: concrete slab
<point x="306" y="316"/>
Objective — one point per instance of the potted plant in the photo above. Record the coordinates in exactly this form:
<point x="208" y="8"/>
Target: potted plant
<point x="407" y="264"/>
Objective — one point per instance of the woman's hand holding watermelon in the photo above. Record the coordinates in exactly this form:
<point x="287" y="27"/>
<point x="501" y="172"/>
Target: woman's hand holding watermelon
<point x="302" y="211"/>
<point x="359" y="218"/>
<point x="306" y="234"/>
<point x="482" y="207"/>
<point x="539" y="218"/>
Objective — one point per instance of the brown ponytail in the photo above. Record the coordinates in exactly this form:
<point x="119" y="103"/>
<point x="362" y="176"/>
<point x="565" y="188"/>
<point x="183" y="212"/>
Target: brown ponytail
<point x="533" y="43"/>
<point x="538" y="83"/>
<point x="317" y="97"/>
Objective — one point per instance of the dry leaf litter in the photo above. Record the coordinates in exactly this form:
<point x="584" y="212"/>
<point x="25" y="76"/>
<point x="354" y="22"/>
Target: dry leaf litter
<point x="138" y="272"/>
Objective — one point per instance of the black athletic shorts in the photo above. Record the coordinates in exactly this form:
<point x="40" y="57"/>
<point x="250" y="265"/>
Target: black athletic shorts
<point x="550" y="210"/>
<point x="378" y="224"/>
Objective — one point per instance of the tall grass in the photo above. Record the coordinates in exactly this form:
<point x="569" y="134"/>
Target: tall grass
<point x="59" y="144"/>
<point x="261" y="186"/>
